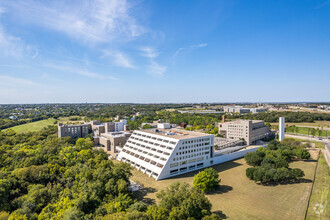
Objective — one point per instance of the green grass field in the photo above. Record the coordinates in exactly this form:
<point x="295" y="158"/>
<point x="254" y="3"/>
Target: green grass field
<point x="241" y="198"/>
<point x="39" y="125"/>
<point x="316" y="124"/>
<point x="304" y="130"/>
<point x="33" y="126"/>
<point x="319" y="205"/>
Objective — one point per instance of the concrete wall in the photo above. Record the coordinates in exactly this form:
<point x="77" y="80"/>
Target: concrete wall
<point x="233" y="156"/>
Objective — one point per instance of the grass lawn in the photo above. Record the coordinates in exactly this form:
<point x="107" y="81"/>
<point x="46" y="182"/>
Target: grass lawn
<point x="319" y="205"/>
<point x="33" y="126"/>
<point x="304" y="130"/>
<point x="241" y="198"/>
<point x="319" y="124"/>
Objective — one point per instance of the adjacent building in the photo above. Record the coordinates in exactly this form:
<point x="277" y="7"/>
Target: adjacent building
<point x="74" y="131"/>
<point x="166" y="152"/>
<point x="112" y="142"/>
<point x="249" y="130"/>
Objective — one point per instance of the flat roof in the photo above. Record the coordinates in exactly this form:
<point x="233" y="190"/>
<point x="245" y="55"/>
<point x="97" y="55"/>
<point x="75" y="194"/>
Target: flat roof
<point x="240" y="120"/>
<point x="175" y="133"/>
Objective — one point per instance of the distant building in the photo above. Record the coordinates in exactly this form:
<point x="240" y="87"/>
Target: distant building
<point x="236" y="109"/>
<point x="13" y="117"/>
<point x="242" y="110"/>
<point x="281" y="130"/>
<point x="249" y="130"/>
<point x="95" y="127"/>
<point x="74" y="131"/>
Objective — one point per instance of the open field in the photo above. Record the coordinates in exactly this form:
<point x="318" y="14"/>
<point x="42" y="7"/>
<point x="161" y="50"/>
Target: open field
<point x="316" y="143"/>
<point x="307" y="131"/>
<point x="315" y="124"/>
<point x="319" y="205"/>
<point x="241" y="198"/>
<point x="33" y="126"/>
<point x="38" y="125"/>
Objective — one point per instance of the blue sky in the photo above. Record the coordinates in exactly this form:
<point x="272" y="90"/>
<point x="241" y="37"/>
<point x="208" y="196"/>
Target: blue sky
<point x="164" y="51"/>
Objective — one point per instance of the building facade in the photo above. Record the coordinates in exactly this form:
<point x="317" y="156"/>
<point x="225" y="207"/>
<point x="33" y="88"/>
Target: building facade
<point x="74" y="131"/>
<point x="163" y="153"/>
<point x="113" y="142"/>
<point x="249" y="130"/>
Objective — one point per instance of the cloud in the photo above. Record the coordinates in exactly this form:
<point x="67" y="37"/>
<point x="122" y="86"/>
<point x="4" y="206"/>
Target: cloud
<point x="155" y="69"/>
<point x="189" y="48"/>
<point x="149" y="52"/>
<point x="119" y="58"/>
<point x="74" y="70"/>
<point x="93" y="21"/>
<point x="11" y="46"/>
<point x="13" y="81"/>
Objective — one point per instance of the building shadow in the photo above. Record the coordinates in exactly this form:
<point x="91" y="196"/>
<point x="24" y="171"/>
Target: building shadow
<point x="218" y="167"/>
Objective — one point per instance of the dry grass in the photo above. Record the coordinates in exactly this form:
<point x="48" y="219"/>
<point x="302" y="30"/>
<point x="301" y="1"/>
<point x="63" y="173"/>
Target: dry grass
<point x="241" y="198"/>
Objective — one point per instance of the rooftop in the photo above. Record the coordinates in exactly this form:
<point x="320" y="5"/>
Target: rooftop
<point x="240" y="121"/>
<point x="175" y="133"/>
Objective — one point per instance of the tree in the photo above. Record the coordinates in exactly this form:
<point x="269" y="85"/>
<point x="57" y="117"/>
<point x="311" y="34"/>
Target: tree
<point x="313" y="131"/>
<point x="206" y="180"/>
<point x="180" y="201"/>
<point x="146" y="126"/>
<point x="253" y="159"/>
<point x="303" y="154"/>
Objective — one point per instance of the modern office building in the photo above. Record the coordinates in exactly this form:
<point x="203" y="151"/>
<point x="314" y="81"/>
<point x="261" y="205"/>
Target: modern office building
<point x="281" y="130"/>
<point x="74" y="131"/>
<point x="249" y="130"/>
<point x="163" y="153"/>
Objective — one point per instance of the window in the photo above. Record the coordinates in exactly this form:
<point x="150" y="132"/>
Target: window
<point x="174" y="171"/>
<point x="183" y="162"/>
<point x="183" y="169"/>
<point x="174" y="165"/>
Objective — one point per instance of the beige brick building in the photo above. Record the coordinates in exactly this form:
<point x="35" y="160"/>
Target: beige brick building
<point x="112" y="142"/>
<point x="249" y="130"/>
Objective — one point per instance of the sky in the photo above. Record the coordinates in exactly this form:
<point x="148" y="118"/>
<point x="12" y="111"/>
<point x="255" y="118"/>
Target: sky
<point x="118" y="51"/>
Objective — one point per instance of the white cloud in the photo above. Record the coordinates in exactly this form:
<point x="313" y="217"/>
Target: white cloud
<point x="79" y="71"/>
<point x="94" y="21"/>
<point x="119" y="58"/>
<point x="11" y="46"/>
<point x="155" y="69"/>
<point x="189" y="48"/>
<point x="13" y="81"/>
<point x="149" y="52"/>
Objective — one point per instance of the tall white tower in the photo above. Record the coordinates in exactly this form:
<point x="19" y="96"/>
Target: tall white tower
<point x="281" y="128"/>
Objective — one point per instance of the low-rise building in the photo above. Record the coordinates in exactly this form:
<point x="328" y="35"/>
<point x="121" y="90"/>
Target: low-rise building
<point x="249" y="130"/>
<point x="74" y="131"/>
<point x="113" y="142"/>
<point x="236" y="109"/>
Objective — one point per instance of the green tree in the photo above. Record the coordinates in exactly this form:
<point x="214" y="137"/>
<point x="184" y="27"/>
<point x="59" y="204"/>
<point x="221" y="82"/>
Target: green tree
<point x="207" y="180"/>
<point x="303" y="154"/>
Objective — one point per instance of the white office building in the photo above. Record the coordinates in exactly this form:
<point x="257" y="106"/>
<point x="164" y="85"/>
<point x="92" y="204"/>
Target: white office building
<point x="163" y="153"/>
<point x="119" y="126"/>
<point x="281" y="130"/>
